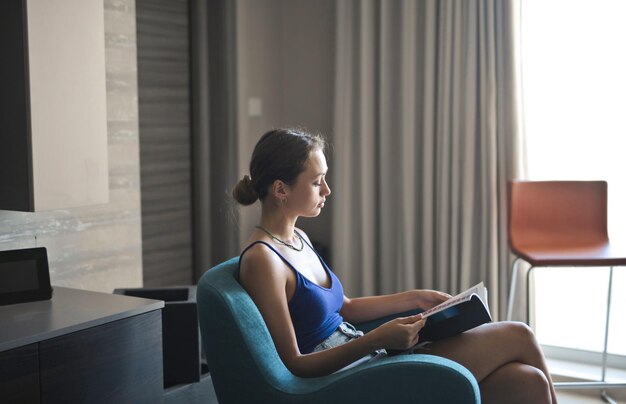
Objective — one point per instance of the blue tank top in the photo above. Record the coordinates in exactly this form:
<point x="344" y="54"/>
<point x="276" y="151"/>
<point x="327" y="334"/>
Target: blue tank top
<point x="314" y="309"/>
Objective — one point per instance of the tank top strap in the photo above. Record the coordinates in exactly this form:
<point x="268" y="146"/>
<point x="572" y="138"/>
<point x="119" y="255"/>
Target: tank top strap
<point x="285" y="260"/>
<point x="303" y="239"/>
<point x="316" y="253"/>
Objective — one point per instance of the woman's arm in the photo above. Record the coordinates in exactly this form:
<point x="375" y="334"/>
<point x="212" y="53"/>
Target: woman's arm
<point x="360" y="309"/>
<point x="265" y="278"/>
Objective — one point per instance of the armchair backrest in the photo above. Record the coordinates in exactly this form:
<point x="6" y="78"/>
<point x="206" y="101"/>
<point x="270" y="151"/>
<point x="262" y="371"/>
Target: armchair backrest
<point x="240" y="352"/>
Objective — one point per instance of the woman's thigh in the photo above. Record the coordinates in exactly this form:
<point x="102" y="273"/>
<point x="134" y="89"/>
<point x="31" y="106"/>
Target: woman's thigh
<point x="488" y="347"/>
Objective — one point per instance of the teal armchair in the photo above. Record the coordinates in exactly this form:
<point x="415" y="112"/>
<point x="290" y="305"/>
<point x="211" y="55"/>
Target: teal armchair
<point x="245" y="367"/>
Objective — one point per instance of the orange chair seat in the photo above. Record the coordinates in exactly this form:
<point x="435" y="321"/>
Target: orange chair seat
<point x="595" y="255"/>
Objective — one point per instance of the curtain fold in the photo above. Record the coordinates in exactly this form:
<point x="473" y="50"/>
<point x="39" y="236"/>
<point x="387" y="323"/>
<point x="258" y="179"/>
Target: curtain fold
<point x="425" y="129"/>
<point x="213" y="132"/>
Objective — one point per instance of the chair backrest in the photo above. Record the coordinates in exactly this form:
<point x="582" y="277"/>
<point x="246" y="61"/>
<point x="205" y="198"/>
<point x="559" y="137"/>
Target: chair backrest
<point x="557" y="214"/>
<point x="240" y="352"/>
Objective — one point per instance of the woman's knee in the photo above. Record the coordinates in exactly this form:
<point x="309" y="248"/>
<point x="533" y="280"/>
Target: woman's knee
<point x="520" y="332"/>
<point x="536" y="385"/>
<point x="521" y="328"/>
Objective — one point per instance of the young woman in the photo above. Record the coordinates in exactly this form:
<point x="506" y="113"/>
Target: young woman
<point x="303" y="304"/>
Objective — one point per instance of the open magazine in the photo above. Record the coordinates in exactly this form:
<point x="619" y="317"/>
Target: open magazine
<point x="460" y="313"/>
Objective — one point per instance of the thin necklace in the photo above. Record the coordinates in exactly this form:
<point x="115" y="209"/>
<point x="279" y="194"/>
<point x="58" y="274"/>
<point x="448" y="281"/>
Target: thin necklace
<point x="286" y="244"/>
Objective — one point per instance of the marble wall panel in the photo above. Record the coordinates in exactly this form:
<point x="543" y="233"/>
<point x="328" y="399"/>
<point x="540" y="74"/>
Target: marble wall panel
<point x="98" y="247"/>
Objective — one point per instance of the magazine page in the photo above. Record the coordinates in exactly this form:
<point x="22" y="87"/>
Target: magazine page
<point x="478" y="290"/>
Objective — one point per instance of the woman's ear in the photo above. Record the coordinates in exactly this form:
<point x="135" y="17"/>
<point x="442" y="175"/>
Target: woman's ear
<point x="280" y="190"/>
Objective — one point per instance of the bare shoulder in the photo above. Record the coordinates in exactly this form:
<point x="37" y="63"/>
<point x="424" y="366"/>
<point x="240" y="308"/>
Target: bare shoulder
<point x="260" y="263"/>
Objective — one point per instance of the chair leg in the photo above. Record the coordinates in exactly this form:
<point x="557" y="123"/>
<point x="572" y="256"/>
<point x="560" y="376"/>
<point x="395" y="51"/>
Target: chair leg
<point x="512" y="287"/>
<point x="605" y="395"/>
<point x="528" y="295"/>
<point x="606" y="325"/>
<point x="603" y="384"/>
<point x="606" y="398"/>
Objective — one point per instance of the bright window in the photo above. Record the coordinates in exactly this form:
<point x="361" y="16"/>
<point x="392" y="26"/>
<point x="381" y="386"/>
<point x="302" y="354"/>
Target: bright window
<point x="574" y="102"/>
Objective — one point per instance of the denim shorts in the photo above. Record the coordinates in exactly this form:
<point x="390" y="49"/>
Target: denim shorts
<point x="346" y="333"/>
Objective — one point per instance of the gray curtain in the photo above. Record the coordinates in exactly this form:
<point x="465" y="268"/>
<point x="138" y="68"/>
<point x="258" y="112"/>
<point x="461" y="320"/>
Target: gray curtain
<point x="213" y="134"/>
<point x="425" y="141"/>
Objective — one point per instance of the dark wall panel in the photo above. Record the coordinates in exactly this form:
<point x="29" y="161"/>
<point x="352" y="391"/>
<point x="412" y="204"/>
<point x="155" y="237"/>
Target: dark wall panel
<point x="15" y="165"/>
<point x="164" y="133"/>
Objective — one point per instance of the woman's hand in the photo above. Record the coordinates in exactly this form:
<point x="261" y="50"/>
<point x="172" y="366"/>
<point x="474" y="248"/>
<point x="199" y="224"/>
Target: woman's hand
<point x="430" y="298"/>
<point x="401" y="333"/>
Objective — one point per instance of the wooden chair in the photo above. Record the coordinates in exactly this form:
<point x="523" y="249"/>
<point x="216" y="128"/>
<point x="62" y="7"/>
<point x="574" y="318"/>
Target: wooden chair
<point x="562" y="223"/>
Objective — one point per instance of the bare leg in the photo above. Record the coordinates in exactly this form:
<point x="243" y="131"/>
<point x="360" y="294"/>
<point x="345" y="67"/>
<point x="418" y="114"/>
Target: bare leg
<point x="515" y="383"/>
<point x="487" y="350"/>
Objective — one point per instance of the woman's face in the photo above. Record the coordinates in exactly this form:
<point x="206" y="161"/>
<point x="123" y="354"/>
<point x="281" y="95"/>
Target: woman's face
<point x="307" y="196"/>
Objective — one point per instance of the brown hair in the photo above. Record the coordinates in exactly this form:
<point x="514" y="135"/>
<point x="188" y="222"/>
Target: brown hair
<point x="280" y="154"/>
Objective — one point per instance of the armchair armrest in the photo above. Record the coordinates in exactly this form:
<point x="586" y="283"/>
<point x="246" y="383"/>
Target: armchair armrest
<point x="399" y="379"/>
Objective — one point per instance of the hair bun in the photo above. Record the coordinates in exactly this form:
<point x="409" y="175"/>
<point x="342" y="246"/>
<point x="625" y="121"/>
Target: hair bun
<point x="244" y="191"/>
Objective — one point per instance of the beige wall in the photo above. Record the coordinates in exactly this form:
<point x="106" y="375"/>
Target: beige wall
<point x="259" y="74"/>
<point x="98" y="247"/>
<point x="285" y="57"/>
